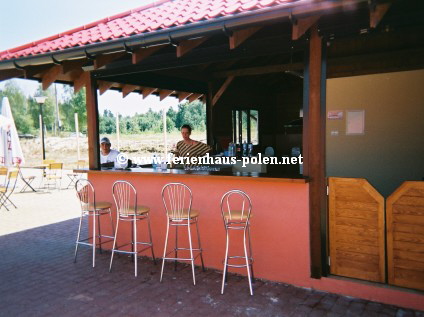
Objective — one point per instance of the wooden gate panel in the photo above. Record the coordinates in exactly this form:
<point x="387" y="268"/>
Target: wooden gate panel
<point x="356" y="229"/>
<point x="405" y="235"/>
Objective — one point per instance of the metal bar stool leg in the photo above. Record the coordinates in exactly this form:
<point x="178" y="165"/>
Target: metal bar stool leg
<point x="78" y="238"/>
<point x="114" y="244"/>
<point x="200" y="246"/>
<point x="224" y="276"/>
<point x="247" y="261"/>
<point x="191" y="252"/>
<point x="100" y="234"/>
<point x="164" y="251"/>
<point x="250" y="253"/>
<point x="176" y="248"/>
<point x="135" y="244"/>
<point x="93" y="239"/>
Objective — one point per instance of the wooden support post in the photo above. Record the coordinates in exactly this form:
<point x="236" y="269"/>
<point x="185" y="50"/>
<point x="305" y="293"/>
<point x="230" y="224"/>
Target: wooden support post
<point x="314" y="150"/>
<point x="92" y="123"/>
<point x="209" y="115"/>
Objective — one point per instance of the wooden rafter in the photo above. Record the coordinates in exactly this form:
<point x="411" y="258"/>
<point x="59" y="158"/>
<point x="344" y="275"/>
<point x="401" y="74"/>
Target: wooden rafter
<point x="377" y="13"/>
<point x="11" y="73"/>
<point x="186" y="46"/>
<point x="32" y="71"/>
<point x="105" y="59"/>
<point x="69" y="66"/>
<point x="183" y="95"/>
<point x="51" y="75"/>
<point x="148" y="91"/>
<point x="127" y="89"/>
<point x="300" y="26"/>
<point x="163" y="93"/>
<point x="222" y="89"/>
<point x="81" y="81"/>
<point x="238" y="37"/>
<point x="104" y="86"/>
<point x="143" y="53"/>
<point x="194" y="97"/>
<point x="278" y="68"/>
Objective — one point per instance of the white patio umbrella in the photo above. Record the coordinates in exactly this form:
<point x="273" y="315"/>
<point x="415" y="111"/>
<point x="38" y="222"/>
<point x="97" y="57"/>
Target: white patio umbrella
<point x="10" y="147"/>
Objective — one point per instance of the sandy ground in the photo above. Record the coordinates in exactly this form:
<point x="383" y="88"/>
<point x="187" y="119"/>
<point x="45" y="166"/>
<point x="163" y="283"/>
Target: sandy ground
<point x="40" y="208"/>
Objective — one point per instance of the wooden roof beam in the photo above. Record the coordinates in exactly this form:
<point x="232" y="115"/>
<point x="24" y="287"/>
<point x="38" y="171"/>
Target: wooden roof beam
<point x="127" y="89"/>
<point x="300" y="26"/>
<point x="103" y="60"/>
<point x="222" y="89"/>
<point x="11" y="73"/>
<point x="377" y="13"/>
<point x="163" y="93"/>
<point x="278" y="68"/>
<point x="194" y="97"/>
<point x="68" y="66"/>
<point x="238" y="37"/>
<point x="186" y="46"/>
<point x="81" y="81"/>
<point x="183" y="95"/>
<point x="51" y="75"/>
<point x="148" y="91"/>
<point x="31" y="71"/>
<point x="143" y="53"/>
<point x="104" y="86"/>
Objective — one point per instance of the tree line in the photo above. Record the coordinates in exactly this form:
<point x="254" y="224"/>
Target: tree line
<point x="25" y="112"/>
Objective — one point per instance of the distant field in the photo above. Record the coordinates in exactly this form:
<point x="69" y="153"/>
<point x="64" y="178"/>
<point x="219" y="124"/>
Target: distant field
<point x="64" y="149"/>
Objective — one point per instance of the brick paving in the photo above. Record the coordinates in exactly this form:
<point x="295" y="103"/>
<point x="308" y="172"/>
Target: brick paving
<point x="38" y="278"/>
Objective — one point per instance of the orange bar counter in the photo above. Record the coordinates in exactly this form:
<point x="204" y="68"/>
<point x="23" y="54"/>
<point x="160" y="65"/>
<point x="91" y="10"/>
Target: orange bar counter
<point x="279" y="227"/>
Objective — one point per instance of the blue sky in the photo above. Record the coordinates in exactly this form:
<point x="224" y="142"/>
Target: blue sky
<point x="24" y="21"/>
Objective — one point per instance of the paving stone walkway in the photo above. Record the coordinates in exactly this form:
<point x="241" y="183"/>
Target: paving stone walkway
<point x="38" y="278"/>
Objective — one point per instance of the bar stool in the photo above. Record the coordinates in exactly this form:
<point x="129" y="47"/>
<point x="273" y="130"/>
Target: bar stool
<point x="236" y="208"/>
<point x="125" y="196"/>
<point x="91" y="208"/>
<point x="177" y="199"/>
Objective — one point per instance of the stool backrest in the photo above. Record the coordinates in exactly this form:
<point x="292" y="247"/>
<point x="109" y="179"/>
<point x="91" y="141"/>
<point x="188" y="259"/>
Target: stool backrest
<point x="125" y="197"/>
<point x="86" y="195"/>
<point x="177" y="199"/>
<point x="236" y="206"/>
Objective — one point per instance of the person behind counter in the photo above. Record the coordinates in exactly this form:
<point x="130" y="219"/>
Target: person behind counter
<point x="188" y="147"/>
<point x="107" y="155"/>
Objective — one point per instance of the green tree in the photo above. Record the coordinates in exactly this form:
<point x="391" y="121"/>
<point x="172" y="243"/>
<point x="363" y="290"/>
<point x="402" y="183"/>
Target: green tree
<point x="19" y="106"/>
<point x="74" y="103"/>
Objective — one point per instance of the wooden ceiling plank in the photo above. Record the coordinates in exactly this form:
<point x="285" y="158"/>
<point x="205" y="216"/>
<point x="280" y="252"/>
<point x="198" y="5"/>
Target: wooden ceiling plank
<point x="103" y="60"/>
<point x="143" y="53"/>
<point x="147" y="91"/>
<point x="51" y="75"/>
<point x="163" y="93"/>
<point x="183" y="95"/>
<point x="104" y="86"/>
<point x="377" y="13"/>
<point x="222" y="89"/>
<point x="194" y="97"/>
<point x="238" y="37"/>
<point x="81" y="81"/>
<point x="11" y="73"/>
<point x="300" y="26"/>
<point x="186" y="46"/>
<point x="127" y="89"/>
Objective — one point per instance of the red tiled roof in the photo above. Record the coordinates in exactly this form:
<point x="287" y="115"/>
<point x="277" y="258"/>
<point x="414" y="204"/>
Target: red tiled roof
<point x="162" y="15"/>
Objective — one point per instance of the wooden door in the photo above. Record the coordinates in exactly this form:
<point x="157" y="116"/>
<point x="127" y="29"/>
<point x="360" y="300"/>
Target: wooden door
<point x="405" y="236"/>
<point x="356" y="229"/>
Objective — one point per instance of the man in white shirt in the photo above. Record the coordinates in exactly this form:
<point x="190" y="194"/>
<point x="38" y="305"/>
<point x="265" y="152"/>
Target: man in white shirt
<point x="107" y="156"/>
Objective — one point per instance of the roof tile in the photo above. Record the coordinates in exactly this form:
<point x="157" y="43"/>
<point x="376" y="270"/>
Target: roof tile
<point x="162" y="15"/>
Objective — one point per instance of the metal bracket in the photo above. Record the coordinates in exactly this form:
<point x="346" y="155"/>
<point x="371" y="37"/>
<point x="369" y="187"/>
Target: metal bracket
<point x="227" y="31"/>
<point x="17" y="66"/>
<point x="55" y="61"/>
<point x="172" y="41"/>
<point x="128" y="49"/>
<point x="88" y="55"/>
